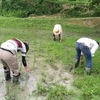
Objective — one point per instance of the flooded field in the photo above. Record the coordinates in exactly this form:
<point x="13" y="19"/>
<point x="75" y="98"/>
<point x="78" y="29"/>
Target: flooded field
<point x="28" y="88"/>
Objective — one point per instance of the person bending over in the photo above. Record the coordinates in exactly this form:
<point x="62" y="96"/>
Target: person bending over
<point x="87" y="47"/>
<point x="8" y="57"/>
<point x="57" y="31"/>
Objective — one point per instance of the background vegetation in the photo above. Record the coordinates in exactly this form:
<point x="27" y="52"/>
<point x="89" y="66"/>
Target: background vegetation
<point x="67" y="8"/>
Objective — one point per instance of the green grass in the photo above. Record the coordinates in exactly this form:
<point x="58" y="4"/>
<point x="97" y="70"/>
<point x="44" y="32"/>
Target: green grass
<point x="73" y="1"/>
<point x="38" y="33"/>
<point x="59" y="92"/>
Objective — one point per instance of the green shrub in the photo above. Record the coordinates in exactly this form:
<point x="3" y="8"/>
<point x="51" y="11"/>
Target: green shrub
<point x="24" y="8"/>
<point x="96" y="10"/>
<point x="93" y="3"/>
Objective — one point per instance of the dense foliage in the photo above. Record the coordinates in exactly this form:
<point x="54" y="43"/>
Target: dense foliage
<point x="25" y="8"/>
<point x="89" y="9"/>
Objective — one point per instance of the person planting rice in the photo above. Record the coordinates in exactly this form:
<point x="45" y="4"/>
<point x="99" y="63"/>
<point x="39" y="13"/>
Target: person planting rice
<point x="57" y="31"/>
<point x="8" y="57"/>
<point x="87" y="47"/>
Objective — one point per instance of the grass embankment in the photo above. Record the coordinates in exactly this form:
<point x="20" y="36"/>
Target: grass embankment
<point x="38" y="33"/>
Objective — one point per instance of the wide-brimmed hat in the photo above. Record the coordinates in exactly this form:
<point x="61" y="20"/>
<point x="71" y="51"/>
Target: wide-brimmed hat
<point x="56" y="31"/>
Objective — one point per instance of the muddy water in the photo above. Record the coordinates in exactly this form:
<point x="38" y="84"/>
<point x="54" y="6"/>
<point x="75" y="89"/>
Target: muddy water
<point x="2" y="84"/>
<point x="28" y="83"/>
<point x="23" y="91"/>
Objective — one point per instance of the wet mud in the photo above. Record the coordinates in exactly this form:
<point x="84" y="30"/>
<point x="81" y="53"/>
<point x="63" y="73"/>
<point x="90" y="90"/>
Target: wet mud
<point x="27" y="87"/>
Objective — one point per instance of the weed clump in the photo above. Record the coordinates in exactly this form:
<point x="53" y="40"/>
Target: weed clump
<point x="58" y="93"/>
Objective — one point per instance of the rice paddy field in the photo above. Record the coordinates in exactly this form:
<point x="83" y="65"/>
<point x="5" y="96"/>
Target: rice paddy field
<point x="49" y="61"/>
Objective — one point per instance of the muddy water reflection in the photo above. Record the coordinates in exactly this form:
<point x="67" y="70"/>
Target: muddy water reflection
<point x="27" y="88"/>
<point x="23" y="91"/>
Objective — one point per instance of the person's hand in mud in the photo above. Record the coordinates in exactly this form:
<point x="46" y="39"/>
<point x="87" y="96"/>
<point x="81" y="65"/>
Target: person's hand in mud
<point x="27" y="69"/>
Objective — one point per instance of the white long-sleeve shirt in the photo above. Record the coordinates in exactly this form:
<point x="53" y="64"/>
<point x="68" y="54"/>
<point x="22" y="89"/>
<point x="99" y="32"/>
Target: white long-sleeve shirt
<point x="92" y="44"/>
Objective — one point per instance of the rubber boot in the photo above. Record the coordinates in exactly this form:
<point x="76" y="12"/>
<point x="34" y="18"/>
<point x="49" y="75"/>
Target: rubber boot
<point x="7" y="74"/>
<point x="88" y="70"/>
<point x="16" y="79"/>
